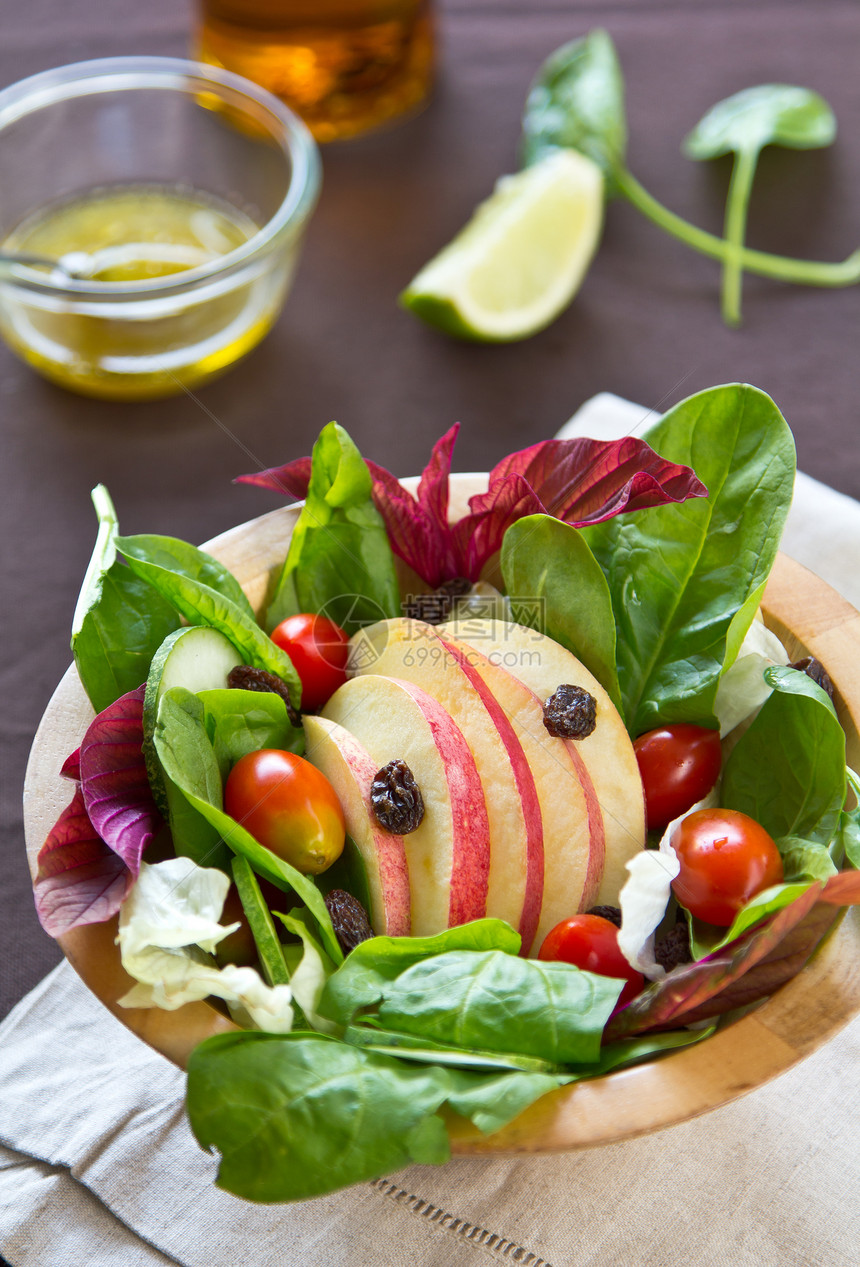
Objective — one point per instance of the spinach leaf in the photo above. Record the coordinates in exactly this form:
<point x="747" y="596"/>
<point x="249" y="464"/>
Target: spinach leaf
<point x="788" y="770"/>
<point x="806" y="859"/>
<point x="257" y="914"/>
<point x="682" y="576"/>
<point x="743" y="124"/>
<point x="362" y="979"/>
<point x="200" y="604"/>
<point x="238" y="722"/>
<point x="545" y="559"/>
<point x="186" y="560"/>
<point x="498" y="1002"/>
<point x="188" y="759"/>
<point x="294" y="1116"/>
<point x="577" y="102"/>
<point x="340" y="561"/>
<point x="119" y="621"/>
<point x="705" y="939"/>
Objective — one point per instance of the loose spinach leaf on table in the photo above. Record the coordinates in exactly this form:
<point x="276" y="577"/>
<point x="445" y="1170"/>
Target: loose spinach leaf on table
<point x="788" y="770"/>
<point x="743" y="124"/>
<point x="119" y="621"/>
<point x="200" y="604"/>
<point x="340" y="561"/>
<point x="685" y="579"/>
<point x="545" y="559"/>
<point x="189" y="760"/>
<point x="577" y="102"/>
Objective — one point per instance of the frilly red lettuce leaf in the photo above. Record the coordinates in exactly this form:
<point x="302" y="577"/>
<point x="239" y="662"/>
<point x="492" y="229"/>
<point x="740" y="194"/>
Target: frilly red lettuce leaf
<point x="80" y="880"/>
<point x="579" y="481"/>
<point x="92" y="854"/>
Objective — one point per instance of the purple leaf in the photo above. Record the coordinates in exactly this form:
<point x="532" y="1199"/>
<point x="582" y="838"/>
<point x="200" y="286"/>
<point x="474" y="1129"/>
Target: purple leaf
<point x="72" y="766"/>
<point x="291" y="480"/>
<point x="690" y="991"/>
<point x="479" y="534"/>
<point x="114" y="781"/>
<point x="584" y="481"/>
<point x="80" y="880"/>
<point x="580" y="481"/>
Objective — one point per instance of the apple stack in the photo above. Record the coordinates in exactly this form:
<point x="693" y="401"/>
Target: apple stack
<point x="519" y="823"/>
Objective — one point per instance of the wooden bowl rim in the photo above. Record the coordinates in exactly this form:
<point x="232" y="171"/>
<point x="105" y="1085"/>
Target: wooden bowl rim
<point x="805" y="613"/>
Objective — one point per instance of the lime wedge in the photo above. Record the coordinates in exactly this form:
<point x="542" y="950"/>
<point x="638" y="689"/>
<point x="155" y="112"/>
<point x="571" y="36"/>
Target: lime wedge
<point x="521" y="258"/>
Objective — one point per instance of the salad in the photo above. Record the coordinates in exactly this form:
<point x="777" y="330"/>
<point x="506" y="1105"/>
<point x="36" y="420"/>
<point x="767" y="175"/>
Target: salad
<point x="472" y="810"/>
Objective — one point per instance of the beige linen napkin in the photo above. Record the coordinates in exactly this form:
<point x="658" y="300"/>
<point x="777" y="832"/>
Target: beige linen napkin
<point x="98" y="1167"/>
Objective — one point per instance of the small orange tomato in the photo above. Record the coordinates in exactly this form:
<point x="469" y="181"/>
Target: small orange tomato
<point x="288" y="807"/>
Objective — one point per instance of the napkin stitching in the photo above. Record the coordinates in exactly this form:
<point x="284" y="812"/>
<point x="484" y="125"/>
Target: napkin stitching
<point x="480" y="1237"/>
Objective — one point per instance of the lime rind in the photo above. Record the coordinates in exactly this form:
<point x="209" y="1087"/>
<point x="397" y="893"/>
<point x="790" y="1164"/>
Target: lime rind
<point x="522" y="257"/>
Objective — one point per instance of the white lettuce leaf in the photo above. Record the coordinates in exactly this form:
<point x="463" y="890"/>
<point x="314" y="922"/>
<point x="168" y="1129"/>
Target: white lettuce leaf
<point x="167" y="926"/>
<point x="742" y="689"/>
<point x="645" y="896"/>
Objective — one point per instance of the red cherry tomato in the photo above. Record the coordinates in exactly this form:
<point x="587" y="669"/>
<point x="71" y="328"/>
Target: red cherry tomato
<point x="726" y="859"/>
<point x="319" y="651"/>
<point x="591" y="942"/>
<point x="679" y="765"/>
<point x="288" y="806"/>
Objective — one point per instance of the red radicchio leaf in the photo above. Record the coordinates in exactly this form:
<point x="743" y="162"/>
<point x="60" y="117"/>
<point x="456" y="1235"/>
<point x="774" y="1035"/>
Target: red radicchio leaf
<point x="689" y="992"/>
<point x="114" y="781"/>
<point x="291" y="480"/>
<point x="72" y="766"/>
<point x="584" y="481"/>
<point x="80" y="880"/>
<point x="580" y="481"/>
<point x="479" y="534"/>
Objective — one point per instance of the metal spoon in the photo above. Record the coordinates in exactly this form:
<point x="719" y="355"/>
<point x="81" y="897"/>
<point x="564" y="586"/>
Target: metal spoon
<point x="72" y="265"/>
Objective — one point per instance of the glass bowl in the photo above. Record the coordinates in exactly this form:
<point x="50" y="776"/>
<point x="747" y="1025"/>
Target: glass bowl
<point x="156" y="132"/>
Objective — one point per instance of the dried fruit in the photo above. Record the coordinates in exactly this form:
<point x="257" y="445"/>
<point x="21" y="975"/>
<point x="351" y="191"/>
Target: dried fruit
<point x="612" y="913"/>
<point x="246" y="678"/>
<point x="674" y="948"/>
<point x="396" y="799"/>
<point x="349" y="919"/>
<point x="570" y="713"/>
<point x="815" y="669"/>
<point x="435" y="608"/>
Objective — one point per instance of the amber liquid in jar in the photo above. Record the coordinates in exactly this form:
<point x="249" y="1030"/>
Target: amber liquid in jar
<point x="346" y="66"/>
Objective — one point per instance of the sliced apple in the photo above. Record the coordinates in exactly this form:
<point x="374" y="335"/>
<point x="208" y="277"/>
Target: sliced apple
<point x="543" y="665"/>
<point x="411" y="651"/>
<point x="350" y="769"/>
<point x="448" y="855"/>
<point x="573" y="832"/>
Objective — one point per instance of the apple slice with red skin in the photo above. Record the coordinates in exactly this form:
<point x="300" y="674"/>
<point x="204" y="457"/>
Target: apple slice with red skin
<point x="448" y="854"/>
<point x="350" y="769"/>
<point x="411" y="650"/>
<point x="573" y="832"/>
<point x="543" y="665"/>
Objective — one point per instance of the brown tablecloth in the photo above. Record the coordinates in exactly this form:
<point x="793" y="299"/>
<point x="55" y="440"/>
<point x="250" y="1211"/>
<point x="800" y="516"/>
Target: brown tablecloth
<point x="646" y="324"/>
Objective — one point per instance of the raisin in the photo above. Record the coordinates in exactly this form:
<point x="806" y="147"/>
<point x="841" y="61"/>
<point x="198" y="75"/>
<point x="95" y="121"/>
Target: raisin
<point x="570" y="713"/>
<point x="349" y="919"/>
<point x="815" y="669"/>
<point x="435" y="608"/>
<point x="612" y="913"/>
<point x="674" y="948"/>
<point x="396" y="798"/>
<point x="246" y="678"/>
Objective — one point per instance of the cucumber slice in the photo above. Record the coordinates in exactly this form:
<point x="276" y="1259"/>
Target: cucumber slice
<point x="196" y="657"/>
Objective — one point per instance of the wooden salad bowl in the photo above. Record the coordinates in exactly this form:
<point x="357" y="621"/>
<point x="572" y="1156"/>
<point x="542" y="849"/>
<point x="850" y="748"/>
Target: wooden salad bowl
<point x="808" y="616"/>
